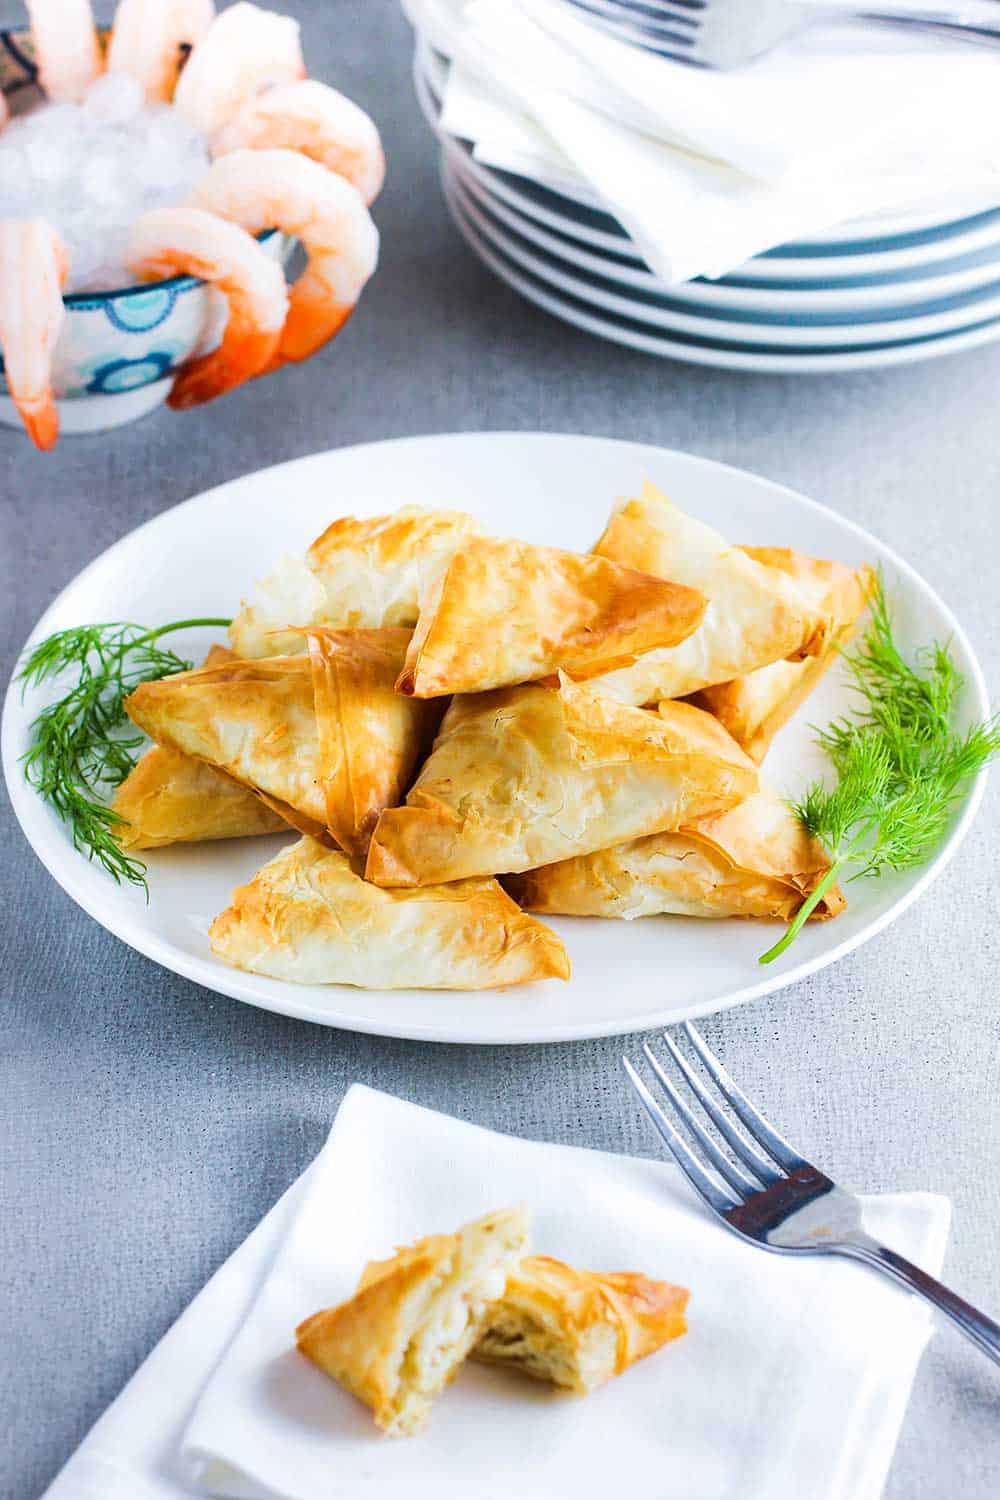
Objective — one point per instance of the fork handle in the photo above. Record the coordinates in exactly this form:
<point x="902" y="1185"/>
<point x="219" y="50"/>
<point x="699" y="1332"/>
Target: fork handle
<point x="983" y="1331"/>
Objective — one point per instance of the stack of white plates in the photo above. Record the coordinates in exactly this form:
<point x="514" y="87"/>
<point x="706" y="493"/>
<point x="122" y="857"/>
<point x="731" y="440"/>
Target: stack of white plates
<point x="879" y="292"/>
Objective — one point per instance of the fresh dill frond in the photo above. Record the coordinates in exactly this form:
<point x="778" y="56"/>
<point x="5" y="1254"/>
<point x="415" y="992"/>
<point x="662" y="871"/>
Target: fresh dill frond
<point x="901" y="764"/>
<point x="79" y="749"/>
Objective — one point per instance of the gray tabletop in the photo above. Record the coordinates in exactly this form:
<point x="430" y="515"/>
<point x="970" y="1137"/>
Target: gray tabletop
<point x="146" y="1124"/>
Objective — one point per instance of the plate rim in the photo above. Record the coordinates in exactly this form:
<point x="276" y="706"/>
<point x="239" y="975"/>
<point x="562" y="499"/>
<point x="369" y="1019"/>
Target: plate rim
<point x="717" y="357"/>
<point x="794" y="303"/>
<point x="45" y="840"/>
<point x="774" y="333"/>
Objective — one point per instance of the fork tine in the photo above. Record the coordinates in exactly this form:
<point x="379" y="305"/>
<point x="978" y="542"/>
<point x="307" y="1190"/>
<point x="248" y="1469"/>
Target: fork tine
<point x="762" y="1131"/>
<point x="716" y="1198"/>
<point x="738" y="1142"/>
<point x="741" y="1184"/>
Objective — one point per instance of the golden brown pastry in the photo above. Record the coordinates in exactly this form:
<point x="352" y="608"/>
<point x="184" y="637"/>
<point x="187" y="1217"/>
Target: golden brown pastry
<point x="756" y="860"/>
<point x="170" y="798"/>
<point x="504" y="612"/>
<point x="308" y="917"/>
<point x="577" y="1329"/>
<point x="755" y="707"/>
<point x="524" y="776"/>
<point x="323" y="739"/>
<point x="370" y="738"/>
<point x="360" y="574"/>
<point x="403" y="1335"/>
<point x="755" y="614"/>
<point x="254" y="720"/>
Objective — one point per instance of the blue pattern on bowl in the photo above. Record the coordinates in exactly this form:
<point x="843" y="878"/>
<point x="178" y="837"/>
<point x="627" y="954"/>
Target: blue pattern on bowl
<point x="128" y="374"/>
<point x="143" y="312"/>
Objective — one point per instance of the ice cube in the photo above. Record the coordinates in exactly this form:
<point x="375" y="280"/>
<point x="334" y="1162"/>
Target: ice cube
<point x="115" y="98"/>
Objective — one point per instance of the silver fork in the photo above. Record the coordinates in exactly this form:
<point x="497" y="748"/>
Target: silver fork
<point x="774" y="1198"/>
<point x="728" y="33"/>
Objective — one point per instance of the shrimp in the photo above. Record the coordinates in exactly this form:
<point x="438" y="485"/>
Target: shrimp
<point x="245" y="49"/>
<point x="149" y="37"/>
<point x="283" y="190"/>
<point x="33" y="268"/>
<point x="67" y="49"/>
<point x="318" y="121"/>
<point x="168" y="241"/>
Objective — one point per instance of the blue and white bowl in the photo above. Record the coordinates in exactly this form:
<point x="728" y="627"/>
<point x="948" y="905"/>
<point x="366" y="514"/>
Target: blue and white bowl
<point x="118" y="350"/>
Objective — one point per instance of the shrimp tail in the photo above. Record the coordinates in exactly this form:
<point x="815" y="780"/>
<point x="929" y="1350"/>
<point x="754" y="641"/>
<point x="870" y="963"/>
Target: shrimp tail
<point x="41" y="423"/>
<point x="311" y="323"/>
<point x="240" y="356"/>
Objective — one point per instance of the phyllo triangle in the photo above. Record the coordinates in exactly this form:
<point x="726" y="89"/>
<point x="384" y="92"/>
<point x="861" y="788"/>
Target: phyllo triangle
<point x="310" y="918"/>
<point x="359" y="574"/>
<point x="254" y="720"/>
<point x="755" y="614"/>
<point x="524" y="776"/>
<point x="400" y="1339"/>
<point x="756" y="860"/>
<point x="323" y="738"/>
<point x="504" y="612"/>
<point x="370" y="737"/>
<point x="577" y="1329"/>
<point x="755" y="707"/>
<point x="171" y="798"/>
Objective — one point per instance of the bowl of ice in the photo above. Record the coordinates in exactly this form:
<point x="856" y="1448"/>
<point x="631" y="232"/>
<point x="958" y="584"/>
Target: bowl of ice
<point x="91" y="169"/>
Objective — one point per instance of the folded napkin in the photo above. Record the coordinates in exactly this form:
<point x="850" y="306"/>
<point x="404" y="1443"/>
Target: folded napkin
<point x="793" y="1379"/>
<point x="704" y="169"/>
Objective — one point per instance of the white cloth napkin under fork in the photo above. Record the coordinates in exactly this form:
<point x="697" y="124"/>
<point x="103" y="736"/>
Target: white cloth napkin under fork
<point x="792" y="1380"/>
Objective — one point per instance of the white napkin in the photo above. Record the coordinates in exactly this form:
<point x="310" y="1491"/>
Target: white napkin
<point x="767" y="164"/>
<point x="825" y="96"/>
<point x="793" y="1379"/>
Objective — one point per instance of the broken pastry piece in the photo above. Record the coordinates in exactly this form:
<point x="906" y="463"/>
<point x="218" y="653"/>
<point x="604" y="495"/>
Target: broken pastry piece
<point x="323" y="739"/>
<point x="755" y="707"/>
<point x="308" y="917"/>
<point x="756" y="860"/>
<point x="577" y="1329"/>
<point x="524" y="776"/>
<point x="403" y="1335"/>
<point x="504" y="612"/>
<point x="360" y="574"/>
<point x="755" y="614"/>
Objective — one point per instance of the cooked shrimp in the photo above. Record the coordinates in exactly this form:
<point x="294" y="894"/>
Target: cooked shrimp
<point x="312" y="118"/>
<point x="245" y="49"/>
<point x="169" y="241"/>
<point x="67" y="51"/>
<point x="33" y="267"/>
<point x="286" y="191"/>
<point x="149" y="39"/>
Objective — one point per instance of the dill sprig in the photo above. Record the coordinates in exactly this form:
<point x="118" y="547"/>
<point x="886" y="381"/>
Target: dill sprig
<point x="78" y="751"/>
<point x="901" y="764"/>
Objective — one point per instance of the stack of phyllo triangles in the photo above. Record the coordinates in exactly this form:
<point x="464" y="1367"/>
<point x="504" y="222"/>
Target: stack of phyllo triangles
<point x="432" y="707"/>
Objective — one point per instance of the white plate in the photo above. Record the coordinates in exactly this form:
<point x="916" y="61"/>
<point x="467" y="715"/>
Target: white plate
<point x="718" y="356"/>
<point x="200" y="557"/>
<point x="801" y="303"/>
<point x="658" y="311"/>
<point x="877" y="250"/>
